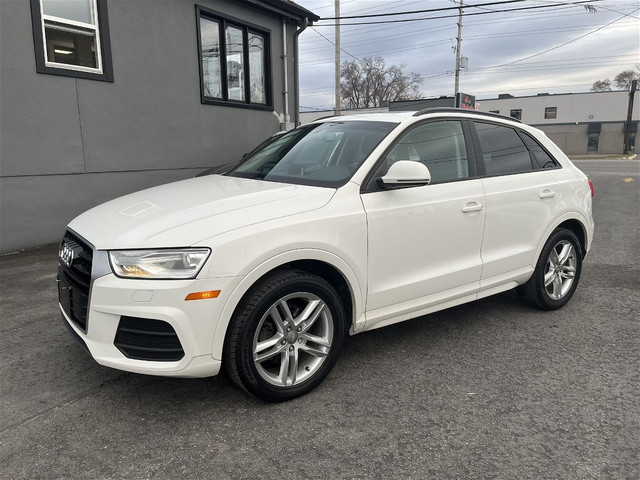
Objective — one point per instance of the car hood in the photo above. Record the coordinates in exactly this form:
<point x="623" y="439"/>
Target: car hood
<point x="190" y="211"/>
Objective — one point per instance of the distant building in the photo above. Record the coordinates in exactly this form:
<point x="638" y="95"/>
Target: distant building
<point x="100" y="98"/>
<point x="579" y="123"/>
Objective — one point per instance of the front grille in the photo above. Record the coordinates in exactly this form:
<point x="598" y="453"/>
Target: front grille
<point x="74" y="278"/>
<point x="146" y="339"/>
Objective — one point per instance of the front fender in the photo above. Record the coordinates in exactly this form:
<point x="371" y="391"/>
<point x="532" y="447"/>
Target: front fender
<point x="355" y="286"/>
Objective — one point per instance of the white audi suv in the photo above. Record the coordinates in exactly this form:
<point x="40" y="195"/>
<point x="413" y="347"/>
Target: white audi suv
<point x="336" y="227"/>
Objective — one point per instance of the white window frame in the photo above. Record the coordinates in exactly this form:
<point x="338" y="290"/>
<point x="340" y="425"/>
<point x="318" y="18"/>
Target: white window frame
<point x="550" y="113"/>
<point x="73" y="23"/>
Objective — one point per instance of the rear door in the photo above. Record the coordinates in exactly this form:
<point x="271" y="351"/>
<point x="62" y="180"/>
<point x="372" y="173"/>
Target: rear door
<point x="424" y="242"/>
<point x="521" y="201"/>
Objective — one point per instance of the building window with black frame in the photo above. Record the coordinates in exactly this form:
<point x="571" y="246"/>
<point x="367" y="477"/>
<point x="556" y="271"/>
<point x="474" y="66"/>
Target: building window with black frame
<point x="516" y="113"/>
<point x="235" y="63"/>
<point x="550" y="112"/>
<point x="71" y="38"/>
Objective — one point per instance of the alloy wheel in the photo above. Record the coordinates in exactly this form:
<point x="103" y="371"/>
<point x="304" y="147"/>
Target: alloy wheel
<point x="293" y="339"/>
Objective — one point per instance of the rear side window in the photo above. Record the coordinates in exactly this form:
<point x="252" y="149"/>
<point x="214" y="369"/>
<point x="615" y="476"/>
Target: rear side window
<point x="503" y="151"/>
<point x="541" y="158"/>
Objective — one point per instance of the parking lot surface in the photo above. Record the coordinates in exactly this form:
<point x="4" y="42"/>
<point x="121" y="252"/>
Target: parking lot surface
<point x="491" y="389"/>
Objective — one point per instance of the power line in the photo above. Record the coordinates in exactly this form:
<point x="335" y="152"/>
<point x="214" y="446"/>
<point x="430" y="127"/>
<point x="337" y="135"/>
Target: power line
<point x="411" y="12"/>
<point x="333" y="43"/>
<point x="532" y="7"/>
<point x="444" y="41"/>
<point x="528" y="68"/>
<point x="565" y="43"/>
<point x="387" y="6"/>
<point x="363" y="30"/>
<point x="539" y="31"/>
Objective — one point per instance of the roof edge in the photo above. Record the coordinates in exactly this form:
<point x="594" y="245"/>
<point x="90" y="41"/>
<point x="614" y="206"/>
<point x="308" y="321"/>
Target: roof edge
<point x="286" y="8"/>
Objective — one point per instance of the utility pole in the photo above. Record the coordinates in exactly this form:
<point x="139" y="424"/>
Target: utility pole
<point x="627" y="127"/>
<point x="337" y="75"/>
<point x="458" y="42"/>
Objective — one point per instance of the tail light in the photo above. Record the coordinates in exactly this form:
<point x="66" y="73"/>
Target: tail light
<point x="590" y="185"/>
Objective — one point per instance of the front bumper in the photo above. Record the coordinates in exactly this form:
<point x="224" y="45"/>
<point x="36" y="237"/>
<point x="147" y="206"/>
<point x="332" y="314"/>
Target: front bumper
<point x="194" y="322"/>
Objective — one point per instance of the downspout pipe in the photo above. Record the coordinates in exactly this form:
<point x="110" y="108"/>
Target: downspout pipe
<point x="285" y="88"/>
<point x="296" y="73"/>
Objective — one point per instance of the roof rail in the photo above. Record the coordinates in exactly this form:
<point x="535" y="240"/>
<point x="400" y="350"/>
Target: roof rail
<point x="325" y="117"/>
<point x="462" y="110"/>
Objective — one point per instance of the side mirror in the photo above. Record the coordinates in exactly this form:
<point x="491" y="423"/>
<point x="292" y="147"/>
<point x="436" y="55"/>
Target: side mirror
<point x="405" y="173"/>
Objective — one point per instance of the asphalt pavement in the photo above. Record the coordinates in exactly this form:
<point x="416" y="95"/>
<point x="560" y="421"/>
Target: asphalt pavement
<point x="491" y="389"/>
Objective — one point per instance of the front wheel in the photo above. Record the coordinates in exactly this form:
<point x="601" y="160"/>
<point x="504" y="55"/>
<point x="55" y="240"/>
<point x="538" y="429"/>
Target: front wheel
<point x="557" y="272"/>
<point x="285" y="336"/>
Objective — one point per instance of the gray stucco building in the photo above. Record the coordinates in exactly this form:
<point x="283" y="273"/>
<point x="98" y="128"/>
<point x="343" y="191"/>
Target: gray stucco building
<point x="101" y="98"/>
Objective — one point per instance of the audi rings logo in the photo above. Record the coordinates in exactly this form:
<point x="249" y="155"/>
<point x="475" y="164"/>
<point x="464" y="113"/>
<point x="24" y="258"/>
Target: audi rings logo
<point x="67" y="254"/>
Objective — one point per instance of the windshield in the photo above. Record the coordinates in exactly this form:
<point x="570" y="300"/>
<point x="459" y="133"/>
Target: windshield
<point x="322" y="154"/>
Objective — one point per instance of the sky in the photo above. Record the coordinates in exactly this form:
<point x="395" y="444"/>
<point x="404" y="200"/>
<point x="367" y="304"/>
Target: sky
<point x="497" y="45"/>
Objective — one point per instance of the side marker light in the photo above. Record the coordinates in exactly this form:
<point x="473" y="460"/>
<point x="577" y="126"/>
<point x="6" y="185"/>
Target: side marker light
<point x="203" y="295"/>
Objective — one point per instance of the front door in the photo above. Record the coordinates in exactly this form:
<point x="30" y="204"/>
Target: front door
<point x="424" y="242"/>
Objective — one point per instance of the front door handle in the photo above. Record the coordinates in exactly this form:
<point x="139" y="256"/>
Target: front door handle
<point x="472" y="207"/>
<point x="547" y="194"/>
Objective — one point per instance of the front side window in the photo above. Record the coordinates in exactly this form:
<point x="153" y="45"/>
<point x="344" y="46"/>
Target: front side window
<point x="71" y="38"/>
<point x="439" y="145"/>
<point x="323" y="154"/>
<point x="234" y="62"/>
<point x="551" y="112"/>
<point x="503" y="151"/>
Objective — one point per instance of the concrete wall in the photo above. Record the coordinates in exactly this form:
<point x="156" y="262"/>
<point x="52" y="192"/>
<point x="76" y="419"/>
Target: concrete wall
<point x="573" y="139"/>
<point x="575" y="112"/>
<point x="68" y="144"/>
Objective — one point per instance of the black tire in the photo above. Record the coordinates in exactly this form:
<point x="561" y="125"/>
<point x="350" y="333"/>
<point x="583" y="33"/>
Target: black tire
<point x="538" y="292"/>
<point x="272" y="350"/>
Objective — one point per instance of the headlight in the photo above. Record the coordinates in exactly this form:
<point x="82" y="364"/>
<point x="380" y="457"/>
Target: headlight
<point x="158" y="264"/>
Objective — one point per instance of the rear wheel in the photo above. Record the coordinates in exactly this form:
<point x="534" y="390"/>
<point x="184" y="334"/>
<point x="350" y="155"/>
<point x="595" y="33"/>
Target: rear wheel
<point x="285" y="336"/>
<point x="557" y="272"/>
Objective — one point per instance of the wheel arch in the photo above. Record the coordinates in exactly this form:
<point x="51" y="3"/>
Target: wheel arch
<point x="322" y="263"/>
<point x="578" y="229"/>
<point x="574" y="222"/>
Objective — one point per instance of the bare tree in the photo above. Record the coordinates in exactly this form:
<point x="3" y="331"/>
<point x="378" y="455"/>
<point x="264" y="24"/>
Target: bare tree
<point x="370" y="83"/>
<point x="623" y="79"/>
<point x="601" y="85"/>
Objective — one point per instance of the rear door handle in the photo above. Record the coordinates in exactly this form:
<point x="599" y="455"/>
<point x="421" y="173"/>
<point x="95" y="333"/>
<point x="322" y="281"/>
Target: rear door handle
<point x="472" y="207"/>
<point x="547" y="194"/>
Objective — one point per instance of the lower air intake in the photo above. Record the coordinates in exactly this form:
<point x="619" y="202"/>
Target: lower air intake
<point x="146" y="339"/>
